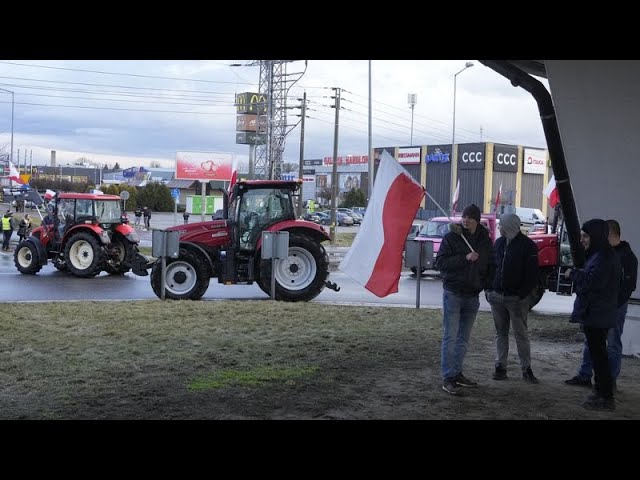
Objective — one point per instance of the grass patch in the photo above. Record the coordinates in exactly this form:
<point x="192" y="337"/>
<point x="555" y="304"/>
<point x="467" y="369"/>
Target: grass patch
<point x="344" y="239"/>
<point x="253" y="377"/>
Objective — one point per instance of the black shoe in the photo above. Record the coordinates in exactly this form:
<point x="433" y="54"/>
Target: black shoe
<point x="528" y="376"/>
<point x="449" y="385"/>
<point x="462" y="381"/>
<point x="596" y="402"/>
<point x="500" y="373"/>
<point x="579" y="381"/>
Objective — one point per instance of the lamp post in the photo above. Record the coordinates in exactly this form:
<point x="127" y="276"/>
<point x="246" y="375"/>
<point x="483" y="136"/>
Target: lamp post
<point x="413" y="99"/>
<point x="453" y="135"/>
<point x="12" y="110"/>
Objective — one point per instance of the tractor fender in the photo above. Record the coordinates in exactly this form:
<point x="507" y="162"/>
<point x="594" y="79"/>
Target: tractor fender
<point x="124" y="229"/>
<point x="95" y="230"/>
<point x="310" y="229"/>
<point x="42" y="252"/>
<point x="194" y="246"/>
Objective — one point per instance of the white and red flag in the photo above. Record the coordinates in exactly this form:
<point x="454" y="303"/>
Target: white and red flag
<point x="14" y="174"/>
<point x="49" y="194"/>
<point x="551" y="191"/>
<point x="498" y="195"/>
<point x="375" y="257"/>
<point x="456" y="196"/>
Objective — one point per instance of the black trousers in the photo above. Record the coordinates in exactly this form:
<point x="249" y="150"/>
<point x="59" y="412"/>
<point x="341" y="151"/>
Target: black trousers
<point x="597" y="342"/>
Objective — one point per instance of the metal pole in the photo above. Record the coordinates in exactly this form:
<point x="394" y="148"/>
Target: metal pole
<point x="164" y="265"/>
<point x="418" y="274"/>
<point x="453" y="137"/>
<point x="412" y="107"/>
<point x="252" y="160"/>
<point x="274" y="265"/>
<point x="204" y="199"/>
<point x="300" y="167"/>
<point x="12" y="111"/>
<point x="370" y="186"/>
<point x="334" y="173"/>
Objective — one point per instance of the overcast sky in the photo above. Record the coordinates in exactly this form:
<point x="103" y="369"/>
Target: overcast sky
<point x="135" y="112"/>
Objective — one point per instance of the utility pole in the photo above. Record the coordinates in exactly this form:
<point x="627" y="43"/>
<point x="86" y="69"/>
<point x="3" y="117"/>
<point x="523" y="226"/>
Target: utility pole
<point x="301" y="166"/>
<point x="413" y="99"/>
<point x="334" y="173"/>
<point x="370" y="152"/>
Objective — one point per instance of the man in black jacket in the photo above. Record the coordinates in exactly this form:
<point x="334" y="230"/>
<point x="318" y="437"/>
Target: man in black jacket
<point x="516" y="275"/>
<point x="463" y="261"/>
<point x="629" y="264"/>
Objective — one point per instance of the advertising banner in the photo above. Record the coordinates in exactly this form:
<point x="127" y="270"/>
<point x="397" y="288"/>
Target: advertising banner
<point x="505" y="158"/>
<point x="203" y="166"/>
<point x="535" y="161"/>
<point x="409" y="155"/>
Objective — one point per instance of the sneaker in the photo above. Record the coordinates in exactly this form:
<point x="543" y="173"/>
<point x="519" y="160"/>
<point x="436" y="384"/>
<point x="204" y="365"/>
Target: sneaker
<point x="596" y="402"/>
<point x="579" y="381"/>
<point x="500" y="373"/>
<point x="528" y="376"/>
<point x="449" y="385"/>
<point x="462" y="381"/>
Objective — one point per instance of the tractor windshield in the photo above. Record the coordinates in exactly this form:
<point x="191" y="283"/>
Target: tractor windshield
<point x="108" y="211"/>
<point x="259" y="208"/>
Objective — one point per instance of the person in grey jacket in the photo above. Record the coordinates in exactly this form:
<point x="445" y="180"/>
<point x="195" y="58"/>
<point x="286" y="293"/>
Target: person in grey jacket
<point x="596" y="286"/>
<point x="464" y="263"/>
<point x="516" y="275"/>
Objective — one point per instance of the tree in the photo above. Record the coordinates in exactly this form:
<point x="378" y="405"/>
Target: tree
<point x="117" y="166"/>
<point x="325" y="194"/>
<point x="354" y="198"/>
<point x="290" y="167"/>
<point x="155" y="164"/>
<point x="156" y="196"/>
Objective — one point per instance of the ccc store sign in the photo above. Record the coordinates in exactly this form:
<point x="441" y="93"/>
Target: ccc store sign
<point x="471" y="156"/>
<point x="505" y="159"/>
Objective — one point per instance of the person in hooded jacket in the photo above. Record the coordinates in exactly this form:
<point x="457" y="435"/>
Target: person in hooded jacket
<point x="464" y="263"/>
<point x="516" y="275"/>
<point x="596" y="286"/>
<point x="629" y="278"/>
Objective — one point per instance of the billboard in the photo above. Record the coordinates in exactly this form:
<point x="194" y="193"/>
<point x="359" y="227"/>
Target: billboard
<point x="251" y="138"/>
<point x="250" y="102"/>
<point x="409" y="155"/>
<point x="535" y="161"/>
<point x="203" y="166"/>
<point x="505" y="158"/>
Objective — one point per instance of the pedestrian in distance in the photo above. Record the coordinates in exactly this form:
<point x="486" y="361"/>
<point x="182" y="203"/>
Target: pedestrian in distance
<point x="185" y="215"/>
<point x="516" y="276"/>
<point x="629" y="264"/>
<point x="8" y="226"/>
<point x="138" y="214"/>
<point x="464" y="263"/>
<point x="24" y="227"/>
<point x="146" y="212"/>
<point x="597" y="285"/>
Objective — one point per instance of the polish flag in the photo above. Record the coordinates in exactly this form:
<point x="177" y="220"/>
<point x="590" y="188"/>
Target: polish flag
<point x="456" y="196"/>
<point x="499" y="194"/>
<point x="14" y="174"/>
<point x="375" y="257"/>
<point x="49" y="194"/>
<point x="551" y="191"/>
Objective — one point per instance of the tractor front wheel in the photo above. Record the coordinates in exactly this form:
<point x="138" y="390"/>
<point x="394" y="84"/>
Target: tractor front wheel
<point x="26" y="258"/>
<point x="187" y="277"/>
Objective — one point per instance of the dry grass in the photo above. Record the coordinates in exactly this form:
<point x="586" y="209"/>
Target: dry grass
<point x="265" y="359"/>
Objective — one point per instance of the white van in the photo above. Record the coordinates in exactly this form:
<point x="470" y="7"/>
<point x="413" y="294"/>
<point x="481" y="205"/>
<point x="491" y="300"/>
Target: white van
<point x="530" y="216"/>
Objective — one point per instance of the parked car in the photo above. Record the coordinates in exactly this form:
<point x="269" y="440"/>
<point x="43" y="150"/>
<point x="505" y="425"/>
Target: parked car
<point x="357" y="218"/>
<point x="359" y="210"/>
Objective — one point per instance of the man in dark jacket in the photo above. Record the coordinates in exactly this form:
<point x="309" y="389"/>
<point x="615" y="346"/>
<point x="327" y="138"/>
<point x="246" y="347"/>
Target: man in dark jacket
<point x="629" y="264"/>
<point x="597" y="285"/>
<point x="463" y="261"/>
<point x="516" y="275"/>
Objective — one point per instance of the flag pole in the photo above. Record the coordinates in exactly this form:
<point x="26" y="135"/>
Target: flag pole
<point x="445" y="214"/>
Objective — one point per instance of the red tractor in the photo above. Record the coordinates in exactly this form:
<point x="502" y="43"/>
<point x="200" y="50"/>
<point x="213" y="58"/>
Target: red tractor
<point x="84" y="234"/>
<point x="229" y="249"/>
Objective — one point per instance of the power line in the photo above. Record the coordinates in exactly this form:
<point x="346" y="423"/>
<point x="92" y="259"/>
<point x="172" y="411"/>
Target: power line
<point x="123" y="74"/>
<point x="113" y="108"/>
<point x="230" y="104"/>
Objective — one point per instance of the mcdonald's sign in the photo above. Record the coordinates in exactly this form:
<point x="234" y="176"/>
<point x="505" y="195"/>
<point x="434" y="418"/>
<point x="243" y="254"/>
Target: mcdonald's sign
<point x="251" y="103"/>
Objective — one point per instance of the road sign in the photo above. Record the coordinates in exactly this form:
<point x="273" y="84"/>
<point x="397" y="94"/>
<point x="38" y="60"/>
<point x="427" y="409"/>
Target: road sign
<point x="175" y="193"/>
<point x="124" y="195"/>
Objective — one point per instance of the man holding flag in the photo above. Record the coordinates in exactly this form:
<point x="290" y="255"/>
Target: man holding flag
<point x="466" y="269"/>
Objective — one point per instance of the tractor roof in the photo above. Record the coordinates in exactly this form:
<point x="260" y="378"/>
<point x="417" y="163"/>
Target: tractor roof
<point x="86" y="196"/>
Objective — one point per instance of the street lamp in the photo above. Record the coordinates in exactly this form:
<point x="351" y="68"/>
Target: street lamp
<point x="12" y="109"/>
<point x="453" y="135"/>
<point x="413" y="99"/>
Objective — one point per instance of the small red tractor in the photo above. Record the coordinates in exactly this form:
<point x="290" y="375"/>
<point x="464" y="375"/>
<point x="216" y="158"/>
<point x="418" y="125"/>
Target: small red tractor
<point x="229" y="249"/>
<point x="84" y="234"/>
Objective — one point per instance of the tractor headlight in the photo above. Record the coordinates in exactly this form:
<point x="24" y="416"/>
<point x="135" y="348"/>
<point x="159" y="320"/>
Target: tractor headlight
<point x="104" y="237"/>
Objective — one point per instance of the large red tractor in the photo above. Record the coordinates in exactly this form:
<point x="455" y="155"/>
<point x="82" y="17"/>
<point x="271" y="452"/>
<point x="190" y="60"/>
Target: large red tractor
<point x="84" y="234"/>
<point x="229" y="249"/>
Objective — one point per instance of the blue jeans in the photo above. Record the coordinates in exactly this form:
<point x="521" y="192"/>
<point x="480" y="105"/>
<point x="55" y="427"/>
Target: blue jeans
<point x="614" y="348"/>
<point x="459" y="314"/>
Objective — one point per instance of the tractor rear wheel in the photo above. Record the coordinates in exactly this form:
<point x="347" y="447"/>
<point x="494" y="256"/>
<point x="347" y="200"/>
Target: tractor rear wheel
<point x="83" y="255"/>
<point x="187" y="277"/>
<point x="301" y="276"/>
<point x="26" y="258"/>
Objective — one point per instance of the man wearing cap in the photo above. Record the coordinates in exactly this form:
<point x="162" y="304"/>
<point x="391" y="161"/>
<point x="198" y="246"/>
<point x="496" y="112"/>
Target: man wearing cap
<point x="516" y="275"/>
<point x="464" y="263"/>
<point x="8" y="225"/>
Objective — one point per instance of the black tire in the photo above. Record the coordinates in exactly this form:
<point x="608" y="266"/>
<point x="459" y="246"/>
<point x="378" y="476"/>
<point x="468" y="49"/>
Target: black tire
<point x="187" y="277"/>
<point x="83" y="255"/>
<point x="122" y="253"/>
<point x="59" y="264"/>
<point x="302" y="276"/>
<point x="26" y="258"/>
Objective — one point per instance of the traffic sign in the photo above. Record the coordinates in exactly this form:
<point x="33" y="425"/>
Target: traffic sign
<point x="175" y="193"/>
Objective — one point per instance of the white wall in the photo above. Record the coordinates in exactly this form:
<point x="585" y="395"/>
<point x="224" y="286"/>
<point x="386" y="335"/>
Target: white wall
<point x="598" y="109"/>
